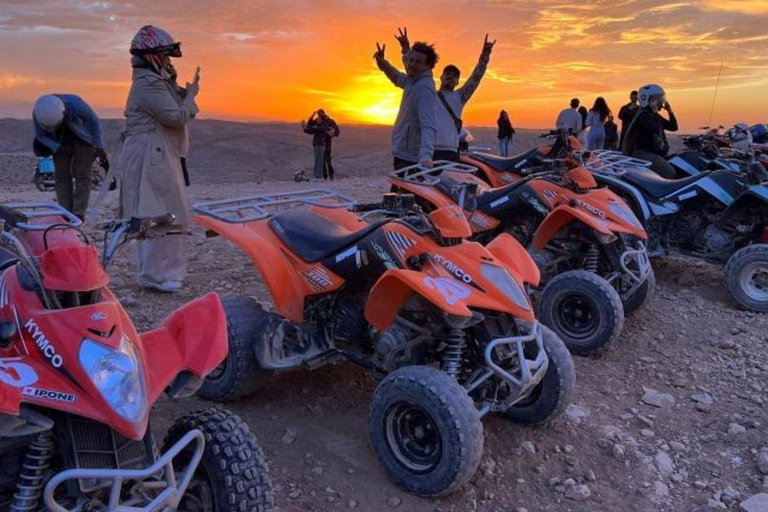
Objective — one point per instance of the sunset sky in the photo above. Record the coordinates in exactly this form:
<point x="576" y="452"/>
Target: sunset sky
<point x="280" y="60"/>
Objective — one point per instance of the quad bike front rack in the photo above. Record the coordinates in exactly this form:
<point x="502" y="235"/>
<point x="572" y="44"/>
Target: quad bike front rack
<point x="611" y="163"/>
<point x="259" y="207"/>
<point x="160" y="476"/>
<point x="430" y="176"/>
<point x="38" y="210"/>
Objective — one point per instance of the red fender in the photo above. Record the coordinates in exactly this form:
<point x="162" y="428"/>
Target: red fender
<point x="509" y="251"/>
<point x="396" y="286"/>
<point x="192" y="338"/>
<point x="561" y="216"/>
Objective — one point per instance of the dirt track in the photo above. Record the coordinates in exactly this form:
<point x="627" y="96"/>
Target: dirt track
<point x="690" y="343"/>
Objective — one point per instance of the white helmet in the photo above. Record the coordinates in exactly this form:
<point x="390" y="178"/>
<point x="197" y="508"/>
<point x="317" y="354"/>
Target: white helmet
<point x="646" y="92"/>
<point x="740" y="137"/>
<point x="49" y="112"/>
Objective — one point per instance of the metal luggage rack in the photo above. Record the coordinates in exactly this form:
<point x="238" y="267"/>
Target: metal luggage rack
<point x="422" y="175"/>
<point x="616" y="163"/>
<point x="258" y="207"/>
<point x="38" y="210"/>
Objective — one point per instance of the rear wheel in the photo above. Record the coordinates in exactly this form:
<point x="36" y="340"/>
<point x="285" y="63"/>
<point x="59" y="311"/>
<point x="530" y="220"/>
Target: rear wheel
<point x="232" y="474"/>
<point x="549" y="399"/>
<point x="240" y="373"/>
<point x="640" y="297"/>
<point x="425" y="431"/>
<point x="746" y="277"/>
<point x="583" y="309"/>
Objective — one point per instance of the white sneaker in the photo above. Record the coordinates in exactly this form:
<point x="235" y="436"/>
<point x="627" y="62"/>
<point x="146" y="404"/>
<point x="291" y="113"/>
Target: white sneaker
<point x="165" y="286"/>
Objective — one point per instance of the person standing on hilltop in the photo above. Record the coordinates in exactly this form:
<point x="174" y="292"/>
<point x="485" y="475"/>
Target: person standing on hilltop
<point x="155" y="139"/>
<point x="68" y="128"/>
<point x="317" y="126"/>
<point x="627" y="113"/>
<point x="333" y="131"/>
<point x="505" y="134"/>
<point x="452" y="99"/>
<point x="415" y="130"/>
<point x="570" y="119"/>
<point x="596" y="119"/>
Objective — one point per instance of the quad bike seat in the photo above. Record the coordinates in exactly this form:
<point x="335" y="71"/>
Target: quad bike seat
<point x="657" y="186"/>
<point x="313" y="237"/>
<point x="451" y="186"/>
<point x="509" y="164"/>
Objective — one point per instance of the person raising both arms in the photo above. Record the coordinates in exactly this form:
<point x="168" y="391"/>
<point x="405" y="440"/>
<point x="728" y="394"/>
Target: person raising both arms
<point x="645" y="138"/>
<point x="413" y="136"/>
<point x="452" y="99"/>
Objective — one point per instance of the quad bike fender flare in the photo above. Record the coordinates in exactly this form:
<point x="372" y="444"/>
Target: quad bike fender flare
<point x="484" y="172"/>
<point x="192" y="340"/>
<point x="281" y="279"/>
<point x="639" y="204"/>
<point x="509" y="251"/>
<point x="559" y="218"/>
<point x="396" y="286"/>
<point x="754" y="194"/>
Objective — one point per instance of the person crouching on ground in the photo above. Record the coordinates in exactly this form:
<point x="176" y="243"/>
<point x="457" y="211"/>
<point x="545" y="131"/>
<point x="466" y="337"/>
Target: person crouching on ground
<point x="413" y="136"/>
<point x="645" y="138"/>
<point x="156" y="115"/>
<point x="68" y="128"/>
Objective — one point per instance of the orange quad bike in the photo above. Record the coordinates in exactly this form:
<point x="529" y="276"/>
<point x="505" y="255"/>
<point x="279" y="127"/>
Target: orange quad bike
<point x="586" y="241"/>
<point x="447" y="323"/>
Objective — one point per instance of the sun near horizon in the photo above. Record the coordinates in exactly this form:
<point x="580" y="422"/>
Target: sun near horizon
<point x="279" y="61"/>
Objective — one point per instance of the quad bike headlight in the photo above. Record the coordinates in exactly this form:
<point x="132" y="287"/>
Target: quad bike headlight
<point x="623" y="212"/>
<point x="506" y="284"/>
<point x="117" y="375"/>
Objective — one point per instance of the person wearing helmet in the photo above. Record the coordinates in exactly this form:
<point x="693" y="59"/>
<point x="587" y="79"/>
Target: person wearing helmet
<point x="68" y="128"/>
<point x="645" y="137"/>
<point x="155" y="140"/>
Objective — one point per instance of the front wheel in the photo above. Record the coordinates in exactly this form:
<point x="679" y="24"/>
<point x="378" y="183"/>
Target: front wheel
<point x="640" y="297"/>
<point x="549" y="399"/>
<point x="746" y="277"/>
<point x="232" y="474"/>
<point x="425" y="431"/>
<point x="583" y="309"/>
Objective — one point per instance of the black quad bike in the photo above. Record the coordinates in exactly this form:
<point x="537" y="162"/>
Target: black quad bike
<point x="717" y="216"/>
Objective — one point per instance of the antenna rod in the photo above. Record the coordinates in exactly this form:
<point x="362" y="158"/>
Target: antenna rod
<point x="712" y="110"/>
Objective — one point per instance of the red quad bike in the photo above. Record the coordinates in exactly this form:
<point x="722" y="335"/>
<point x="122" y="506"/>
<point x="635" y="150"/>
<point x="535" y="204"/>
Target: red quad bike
<point x="586" y="241"/>
<point x="445" y="322"/>
<point x="77" y="384"/>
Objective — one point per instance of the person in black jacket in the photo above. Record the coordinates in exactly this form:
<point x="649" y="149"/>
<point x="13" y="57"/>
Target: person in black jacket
<point x="627" y="113"/>
<point x="645" y="137"/>
<point x="317" y="126"/>
<point x="333" y="131"/>
<point x="611" y="134"/>
<point x="506" y="133"/>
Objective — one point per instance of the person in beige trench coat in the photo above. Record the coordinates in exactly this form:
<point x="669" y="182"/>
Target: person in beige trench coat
<point x="157" y="112"/>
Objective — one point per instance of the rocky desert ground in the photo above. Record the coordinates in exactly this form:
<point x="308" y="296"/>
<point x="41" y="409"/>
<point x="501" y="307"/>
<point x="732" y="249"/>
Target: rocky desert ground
<point x="671" y="418"/>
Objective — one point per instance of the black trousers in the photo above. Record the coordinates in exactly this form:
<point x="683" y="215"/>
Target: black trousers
<point x="442" y="154"/>
<point x="399" y="163"/>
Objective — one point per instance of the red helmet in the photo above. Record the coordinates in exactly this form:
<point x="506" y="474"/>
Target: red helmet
<point x="151" y="40"/>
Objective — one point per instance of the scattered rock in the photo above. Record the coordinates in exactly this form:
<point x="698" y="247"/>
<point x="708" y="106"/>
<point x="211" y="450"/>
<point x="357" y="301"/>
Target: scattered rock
<point x="676" y="446"/>
<point x="757" y="503"/>
<point x="735" y="430"/>
<point x="706" y="408"/>
<point x="700" y="484"/>
<point x="317" y="470"/>
<point x="664" y="464"/>
<point x="619" y="452"/>
<point x="590" y="476"/>
<point x="488" y="466"/>
<point x="353" y="504"/>
<point x="660" y="491"/>
<point x="657" y="398"/>
<point x="394" y="501"/>
<point x="578" y="493"/>
<point x="645" y="432"/>
<point x="528" y="447"/>
<point x="703" y="398"/>
<point x="762" y="462"/>
<point x="577" y="413"/>
<point x="289" y="436"/>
